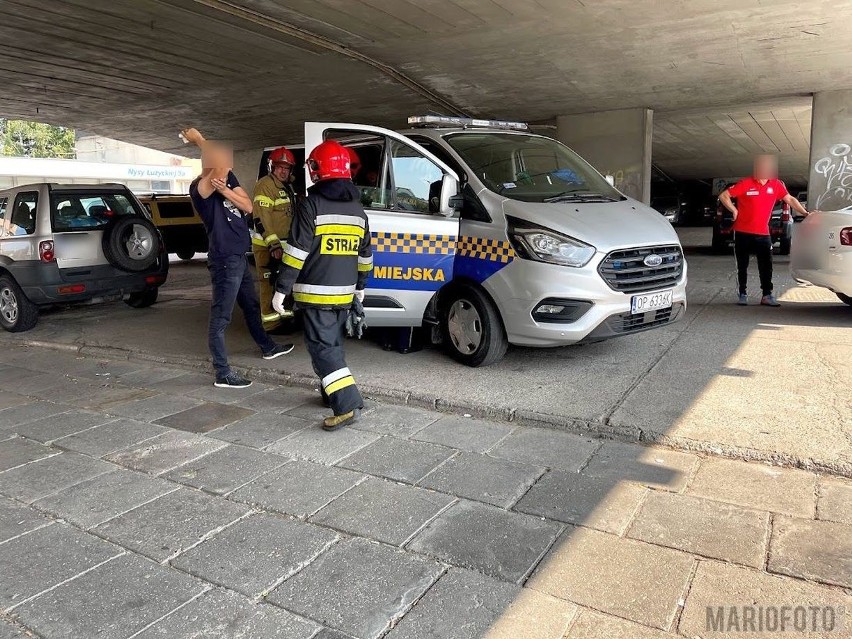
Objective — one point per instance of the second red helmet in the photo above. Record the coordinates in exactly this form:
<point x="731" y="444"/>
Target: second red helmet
<point x="329" y="160"/>
<point x="282" y="155"/>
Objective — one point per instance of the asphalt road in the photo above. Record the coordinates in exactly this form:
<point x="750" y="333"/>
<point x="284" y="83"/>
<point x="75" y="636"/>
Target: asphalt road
<point x="753" y="382"/>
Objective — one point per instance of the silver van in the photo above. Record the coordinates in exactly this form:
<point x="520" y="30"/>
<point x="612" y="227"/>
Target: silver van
<point x="494" y="235"/>
<point x="69" y="243"/>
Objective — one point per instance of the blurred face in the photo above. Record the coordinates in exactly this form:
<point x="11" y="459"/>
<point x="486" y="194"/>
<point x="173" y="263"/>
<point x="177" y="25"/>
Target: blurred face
<point x="281" y="171"/>
<point x="217" y="156"/>
<point x="765" y="167"/>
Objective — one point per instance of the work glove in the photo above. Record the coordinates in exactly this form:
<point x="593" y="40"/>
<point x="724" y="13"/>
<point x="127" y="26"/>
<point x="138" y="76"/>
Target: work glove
<point x="278" y="303"/>
<point x="359" y="295"/>
<point x="276" y="253"/>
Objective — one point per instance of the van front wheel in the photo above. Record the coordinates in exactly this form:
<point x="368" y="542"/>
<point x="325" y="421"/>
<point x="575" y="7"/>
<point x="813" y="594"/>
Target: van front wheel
<point x="472" y="330"/>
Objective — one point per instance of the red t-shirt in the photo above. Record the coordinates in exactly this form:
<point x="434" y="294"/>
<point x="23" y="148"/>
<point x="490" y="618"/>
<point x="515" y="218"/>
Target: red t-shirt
<point x="755" y="202"/>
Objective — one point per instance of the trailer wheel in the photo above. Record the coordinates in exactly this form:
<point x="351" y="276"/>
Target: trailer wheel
<point x="472" y="329"/>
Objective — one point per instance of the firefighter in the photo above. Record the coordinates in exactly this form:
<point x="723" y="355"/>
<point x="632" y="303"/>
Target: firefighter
<point x="327" y="259"/>
<point x="272" y="210"/>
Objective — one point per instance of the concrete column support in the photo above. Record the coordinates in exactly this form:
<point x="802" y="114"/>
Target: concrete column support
<point x="246" y="164"/>
<point x="830" y="185"/>
<point x="616" y="143"/>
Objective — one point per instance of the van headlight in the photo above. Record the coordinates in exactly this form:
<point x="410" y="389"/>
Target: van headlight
<point x="544" y="245"/>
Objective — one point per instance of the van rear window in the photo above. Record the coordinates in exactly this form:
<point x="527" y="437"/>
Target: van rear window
<point x="86" y="211"/>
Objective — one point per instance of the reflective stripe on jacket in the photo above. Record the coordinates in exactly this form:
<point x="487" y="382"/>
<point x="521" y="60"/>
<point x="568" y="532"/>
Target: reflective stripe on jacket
<point x="272" y="208"/>
<point x="328" y="254"/>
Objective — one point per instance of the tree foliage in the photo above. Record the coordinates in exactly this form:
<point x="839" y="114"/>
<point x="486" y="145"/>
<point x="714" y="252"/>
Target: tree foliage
<point x="35" y="140"/>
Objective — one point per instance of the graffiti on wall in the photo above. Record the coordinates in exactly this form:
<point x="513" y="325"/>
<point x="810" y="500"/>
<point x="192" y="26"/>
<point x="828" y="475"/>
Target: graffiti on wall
<point x="834" y="188"/>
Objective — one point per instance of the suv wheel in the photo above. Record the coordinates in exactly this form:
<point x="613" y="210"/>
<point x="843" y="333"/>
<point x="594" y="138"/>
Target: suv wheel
<point x="472" y="329"/>
<point x="186" y="255"/>
<point x="143" y="299"/>
<point x="131" y="244"/>
<point x="17" y="313"/>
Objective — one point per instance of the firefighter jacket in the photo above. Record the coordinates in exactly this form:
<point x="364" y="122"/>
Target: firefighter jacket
<point x="328" y="255"/>
<point x="272" y="211"/>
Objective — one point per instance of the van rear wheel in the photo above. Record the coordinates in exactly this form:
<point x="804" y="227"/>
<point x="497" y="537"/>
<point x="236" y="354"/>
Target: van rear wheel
<point x="17" y="313"/>
<point x="472" y="329"/>
<point x="186" y="255"/>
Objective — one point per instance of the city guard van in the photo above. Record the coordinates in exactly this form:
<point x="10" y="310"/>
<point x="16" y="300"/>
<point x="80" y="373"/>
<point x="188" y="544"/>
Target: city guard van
<point x="493" y="235"/>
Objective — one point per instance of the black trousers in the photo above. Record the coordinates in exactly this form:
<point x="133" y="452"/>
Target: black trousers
<point x="746" y="244"/>
<point x="324" y="341"/>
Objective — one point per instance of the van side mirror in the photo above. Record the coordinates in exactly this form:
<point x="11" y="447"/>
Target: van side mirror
<point x="610" y="179"/>
<point x="451" y="201"/>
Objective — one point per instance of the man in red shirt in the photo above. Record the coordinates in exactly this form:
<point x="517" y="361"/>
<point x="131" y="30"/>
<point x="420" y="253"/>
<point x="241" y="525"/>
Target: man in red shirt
<point x="756" y="197"/>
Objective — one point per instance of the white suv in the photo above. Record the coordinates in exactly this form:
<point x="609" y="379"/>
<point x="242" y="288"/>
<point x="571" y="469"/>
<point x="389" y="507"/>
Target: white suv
<point x="66" y="243"/>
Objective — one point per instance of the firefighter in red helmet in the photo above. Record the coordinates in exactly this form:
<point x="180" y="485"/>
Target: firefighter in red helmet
<point x="273" y="212"/>
<point x="326" y="261"/>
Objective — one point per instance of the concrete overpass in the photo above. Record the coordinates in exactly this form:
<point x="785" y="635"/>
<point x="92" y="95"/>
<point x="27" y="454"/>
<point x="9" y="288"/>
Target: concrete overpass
<point x="708" y="82"/>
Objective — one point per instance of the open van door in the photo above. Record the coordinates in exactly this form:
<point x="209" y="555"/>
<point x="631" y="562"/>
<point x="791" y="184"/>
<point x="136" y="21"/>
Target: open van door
<point x="407" y="193"/>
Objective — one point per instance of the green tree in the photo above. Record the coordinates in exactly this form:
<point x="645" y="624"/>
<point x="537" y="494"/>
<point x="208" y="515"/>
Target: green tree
<point x="35" y="140"/>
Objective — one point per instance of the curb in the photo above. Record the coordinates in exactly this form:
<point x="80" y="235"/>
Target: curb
<point x="587" y="428"/>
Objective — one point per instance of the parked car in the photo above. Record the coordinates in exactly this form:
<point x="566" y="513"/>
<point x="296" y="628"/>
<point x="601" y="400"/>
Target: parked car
<point x="515" y="240"/>
<point x="178" y="223"/>
<point x="822" y="252"/>
<point x="670" y="207"/>
<point x="780" y="228"/>
<point x="66" y="243"/>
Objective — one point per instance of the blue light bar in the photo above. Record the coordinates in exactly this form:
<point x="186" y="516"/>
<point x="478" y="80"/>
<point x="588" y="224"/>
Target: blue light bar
<point x="453" y="121"/>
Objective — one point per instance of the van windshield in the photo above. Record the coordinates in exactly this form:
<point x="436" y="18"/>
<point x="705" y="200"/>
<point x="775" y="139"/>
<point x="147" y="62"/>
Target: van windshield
<point x="531" y="168"/>
<point x="87" y="210"/>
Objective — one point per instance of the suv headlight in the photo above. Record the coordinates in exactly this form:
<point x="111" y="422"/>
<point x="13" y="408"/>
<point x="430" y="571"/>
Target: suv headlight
<point x="543" y="245"/>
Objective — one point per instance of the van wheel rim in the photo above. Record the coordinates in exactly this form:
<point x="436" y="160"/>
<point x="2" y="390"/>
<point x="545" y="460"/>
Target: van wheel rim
<point x="8" y="306"/>
<point x="465" y="327"/>
<point x="139" y="243"/>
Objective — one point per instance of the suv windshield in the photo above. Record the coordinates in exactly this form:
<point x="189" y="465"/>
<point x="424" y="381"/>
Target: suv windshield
<point x="531" y="168"/>
<point x="87" y="210"/>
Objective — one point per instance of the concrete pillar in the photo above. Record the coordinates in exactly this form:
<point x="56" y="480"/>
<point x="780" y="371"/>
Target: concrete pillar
<point x="246" y="164"/>
<point x="616" y="143"/>
<point x="830" y="185"/>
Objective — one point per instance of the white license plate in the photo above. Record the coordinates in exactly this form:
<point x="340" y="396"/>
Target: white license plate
<point x="650" y="302"/>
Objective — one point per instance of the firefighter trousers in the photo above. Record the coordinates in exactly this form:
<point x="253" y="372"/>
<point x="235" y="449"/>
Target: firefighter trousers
<point x="271" y="320"/>
<point x="324" y="341"/>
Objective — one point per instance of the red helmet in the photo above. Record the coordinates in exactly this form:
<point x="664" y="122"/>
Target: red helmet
<point x="329" y="160"/>
<point x="354" y="160"/>
<point x="282" y="155"/>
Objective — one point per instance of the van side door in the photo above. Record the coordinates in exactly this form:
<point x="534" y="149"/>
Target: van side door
<point x="405" y="190"/>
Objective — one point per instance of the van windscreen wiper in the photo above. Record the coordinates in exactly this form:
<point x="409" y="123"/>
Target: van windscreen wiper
<point x="580" y="196"/>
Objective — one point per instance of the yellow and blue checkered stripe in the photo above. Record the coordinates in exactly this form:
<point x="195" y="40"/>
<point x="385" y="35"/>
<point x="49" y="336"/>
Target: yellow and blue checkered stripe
<point x="485" y="248"/>
<point x="415" y="243"/>
<point x="410" y="260"/>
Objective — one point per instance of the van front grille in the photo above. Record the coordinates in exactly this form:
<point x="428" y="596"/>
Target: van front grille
<point x="628" y="271"/>
<point x="627" y="323"/>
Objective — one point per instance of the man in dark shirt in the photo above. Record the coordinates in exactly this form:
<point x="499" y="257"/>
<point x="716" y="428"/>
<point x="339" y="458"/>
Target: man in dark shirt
<point x="225" y="209"/>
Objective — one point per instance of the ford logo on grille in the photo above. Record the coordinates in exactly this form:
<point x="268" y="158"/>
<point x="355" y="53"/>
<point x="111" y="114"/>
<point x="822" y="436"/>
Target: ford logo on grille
<point x="653" y="260"/>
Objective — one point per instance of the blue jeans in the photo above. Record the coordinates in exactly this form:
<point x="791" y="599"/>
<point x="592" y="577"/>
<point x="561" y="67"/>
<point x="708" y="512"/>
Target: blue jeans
<point x="232" y="282"/>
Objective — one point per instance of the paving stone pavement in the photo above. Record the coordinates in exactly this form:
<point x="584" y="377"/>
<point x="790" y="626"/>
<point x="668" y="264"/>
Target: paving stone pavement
<point x="160" y="507"/>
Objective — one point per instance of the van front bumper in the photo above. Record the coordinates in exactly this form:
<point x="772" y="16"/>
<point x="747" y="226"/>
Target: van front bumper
<point x="602" y="313"/>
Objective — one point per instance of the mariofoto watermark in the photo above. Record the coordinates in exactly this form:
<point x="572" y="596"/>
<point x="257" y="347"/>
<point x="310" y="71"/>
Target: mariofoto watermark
<point x="785" y="618"/>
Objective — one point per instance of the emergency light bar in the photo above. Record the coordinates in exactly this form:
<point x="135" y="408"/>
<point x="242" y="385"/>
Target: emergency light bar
<point x="447" y="120"/>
